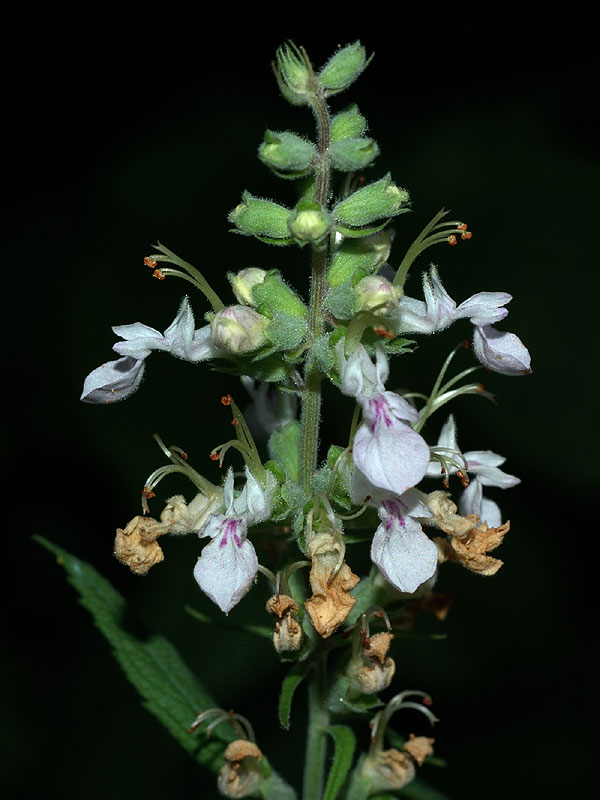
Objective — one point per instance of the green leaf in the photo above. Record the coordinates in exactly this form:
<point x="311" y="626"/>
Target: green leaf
<point x="345" y="743"/>
<point x="168" y="688"/>
<point x="290" y="683"/>
<point x="284" y="447"/>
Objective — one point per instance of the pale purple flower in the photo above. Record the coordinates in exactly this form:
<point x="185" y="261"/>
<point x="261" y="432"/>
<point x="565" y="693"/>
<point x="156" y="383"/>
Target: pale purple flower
<point x="386" y="449"/>
<point x="404" y="554"/>
<point x="228" y="564"/>
<point x="118" y="379"/>
<point x="497" y="350"/>
<point x="483" y="467"/>
<point x="501" y="351"/>
<point x="439" y="310"/>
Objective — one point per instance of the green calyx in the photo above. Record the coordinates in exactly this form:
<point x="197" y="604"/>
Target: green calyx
<point x="294" y="74"/>
<point x="353" y="154"/>
<point x="288" y="155"/>
<point x="342" y="69"/>
<point x="264" y="219"/>
<point x="348" y="124"/>
<point x="374" y="201"/>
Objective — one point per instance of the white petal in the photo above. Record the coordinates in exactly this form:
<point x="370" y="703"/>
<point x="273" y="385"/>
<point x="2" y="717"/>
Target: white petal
<point x="490" y="513"/>
<point x="470" y="500"/>
<point x="404" y="554"/>
<point x="180" y="333"/>
<point x="501" y="351"/>
<point x="484" y="308"/>
<point x="227" y="567"/>
<point x="360" y="377"/>
<point x="140" y="340"/>
<point x="254" y="502"/>
<point x="484" y="464"/>
<point x="113" y="381"/>
<point x="392" y="456"/>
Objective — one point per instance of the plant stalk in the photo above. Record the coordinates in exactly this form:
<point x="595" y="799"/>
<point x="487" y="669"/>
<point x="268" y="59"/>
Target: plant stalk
<point x="311" y="398"/>
<point x="316" y="738"/>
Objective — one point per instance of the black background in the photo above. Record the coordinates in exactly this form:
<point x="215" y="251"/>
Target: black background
<point x="122" y="134"/>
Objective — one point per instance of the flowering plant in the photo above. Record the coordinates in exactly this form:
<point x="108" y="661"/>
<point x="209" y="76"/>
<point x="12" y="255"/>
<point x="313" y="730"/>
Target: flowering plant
<point x="386" y="484"/>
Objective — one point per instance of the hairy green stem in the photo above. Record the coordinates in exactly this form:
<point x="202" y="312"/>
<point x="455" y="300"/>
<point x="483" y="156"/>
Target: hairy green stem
<point x="311" y="399"/>
<point x="316" y="739"/>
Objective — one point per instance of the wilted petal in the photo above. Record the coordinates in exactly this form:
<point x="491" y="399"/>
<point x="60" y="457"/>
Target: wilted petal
<point x="113" y="381"/>
<point x="228" y="565"/>
<point x="403" y="553"/>
<point x="501" y="351"/>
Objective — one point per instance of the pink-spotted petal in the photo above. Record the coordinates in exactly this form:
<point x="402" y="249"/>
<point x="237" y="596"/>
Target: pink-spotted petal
<point x="405" y="555"/>
<point x="228" y="565"/>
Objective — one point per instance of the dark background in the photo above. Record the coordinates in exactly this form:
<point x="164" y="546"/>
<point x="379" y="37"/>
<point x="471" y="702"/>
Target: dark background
<point x="121" y="136"/>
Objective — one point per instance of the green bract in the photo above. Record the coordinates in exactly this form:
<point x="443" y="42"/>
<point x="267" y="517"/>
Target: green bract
<point x="289" y="155"/>
<point x="374" y="201"/>
<point x="348" y="123"/>
<point x="353" y="154"/>
<point x="258" y="217"/>
<point x="343" y="68"/>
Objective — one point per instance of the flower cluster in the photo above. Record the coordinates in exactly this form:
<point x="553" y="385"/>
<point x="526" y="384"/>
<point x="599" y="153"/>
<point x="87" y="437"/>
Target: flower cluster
<point x="377" y="485"/>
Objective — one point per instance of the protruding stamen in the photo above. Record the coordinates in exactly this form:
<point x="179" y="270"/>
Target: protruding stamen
<point x="150" y="262"/>
<point x="159" y="274"/>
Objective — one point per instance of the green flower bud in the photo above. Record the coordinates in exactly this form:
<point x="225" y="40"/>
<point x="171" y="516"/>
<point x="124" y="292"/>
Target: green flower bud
<point x="380" y="199"/>
<point x="351" y="155"/>
<point x="309" y="222"/>
<point x="343" y="68"/>
<point x="377" y="295"/>
<point x="239" y="329"/>
<point x="258" y="217"/>
<point x="244" y="281"/>
<point x="348" y="123"/>
<point x="285" y="152"/>
<point x="294" y="74"/>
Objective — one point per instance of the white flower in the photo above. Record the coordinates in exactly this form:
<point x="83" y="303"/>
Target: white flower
<point x="404" y="554"/>
<point x="439" y="310"/>
<point x="228" y="564"/>
<point x="483" y="466"/>
<point x="118" y="379"/>
<point x="501" y="351"/>
<point x="386" y="449"/>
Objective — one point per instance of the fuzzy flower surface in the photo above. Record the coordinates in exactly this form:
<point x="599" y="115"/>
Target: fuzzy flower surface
<point x="116" y="380"/>
<point x="386" y="449"/>
<point x="228" y="564"/>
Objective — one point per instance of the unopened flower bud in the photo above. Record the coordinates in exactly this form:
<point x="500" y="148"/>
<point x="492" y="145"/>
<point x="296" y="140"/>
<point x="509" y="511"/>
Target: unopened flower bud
<point x="256" y="216"/>
<point x="343" y="68"/>
<point x="377" y="295"/>
<point x="244" y="282"/>
<point x="294" y="74"/>
<point x="351" y="155"/>
<point x="374" y="201"/>
<point x="241" y="775"/>
<point x="287" y="635"/>
<point x="286" y="152"/>
<point x="309" y="222"/>
<point x="238" y="329"/>
<point x="136" y="545"/>
<point x="390" y="770"/>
